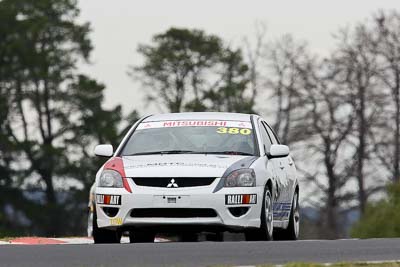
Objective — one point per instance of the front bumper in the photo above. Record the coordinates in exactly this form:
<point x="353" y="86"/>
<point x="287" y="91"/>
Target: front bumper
<point x="201" y="197"/>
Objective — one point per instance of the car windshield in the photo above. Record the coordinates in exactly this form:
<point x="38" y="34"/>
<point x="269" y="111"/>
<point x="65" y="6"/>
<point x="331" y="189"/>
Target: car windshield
<point x="196" y="137"/>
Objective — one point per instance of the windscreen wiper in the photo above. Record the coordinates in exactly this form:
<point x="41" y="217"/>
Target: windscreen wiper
<point x="161" y="152"/>
<point x="230" y="153"/>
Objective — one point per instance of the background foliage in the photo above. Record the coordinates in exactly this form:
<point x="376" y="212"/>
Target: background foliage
<point x="381" y="219"/>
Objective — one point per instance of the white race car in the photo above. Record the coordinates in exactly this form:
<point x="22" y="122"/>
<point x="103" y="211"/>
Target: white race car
<point x="187" y="173"/>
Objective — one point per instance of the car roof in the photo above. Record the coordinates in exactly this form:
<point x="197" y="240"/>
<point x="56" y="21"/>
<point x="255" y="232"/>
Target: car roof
<point x="199" y="116"/>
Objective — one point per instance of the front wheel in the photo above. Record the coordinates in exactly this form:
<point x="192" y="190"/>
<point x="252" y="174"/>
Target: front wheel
<point x="104" y="236"/>
<point x="264" y="233"/>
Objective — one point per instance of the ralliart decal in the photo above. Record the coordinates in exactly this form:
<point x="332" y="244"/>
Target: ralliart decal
<point x="239" y="199"/>
<point x="108" y="199"/>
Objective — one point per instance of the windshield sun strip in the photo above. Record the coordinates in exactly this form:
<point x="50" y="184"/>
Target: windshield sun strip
<point x="143" y="120"/>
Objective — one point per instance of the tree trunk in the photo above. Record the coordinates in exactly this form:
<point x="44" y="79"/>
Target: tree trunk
<point x="396" y="171"/>
<point x="331" y="207"/>
<point x="50" y="194"/>
<point x="362" y="129"/>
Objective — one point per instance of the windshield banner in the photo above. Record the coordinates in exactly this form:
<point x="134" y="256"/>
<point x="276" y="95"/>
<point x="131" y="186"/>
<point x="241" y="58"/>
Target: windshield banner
<point x="194" y="123"/>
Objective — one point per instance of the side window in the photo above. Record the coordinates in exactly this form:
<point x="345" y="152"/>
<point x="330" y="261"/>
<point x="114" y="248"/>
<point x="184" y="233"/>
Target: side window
<point x="271" y="134"/>
<point x="265" y="137"/>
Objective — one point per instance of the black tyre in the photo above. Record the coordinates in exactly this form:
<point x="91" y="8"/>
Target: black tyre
<point x="189" y="237"/>
<point x="216" y="237"/>
<point x="139" y="236"/>
<point x="265" y="232"/>
<point x="293" y="229"/>
<point x="104" y="236"/>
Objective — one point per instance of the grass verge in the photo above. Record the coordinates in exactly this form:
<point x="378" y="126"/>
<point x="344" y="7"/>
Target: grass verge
<point x="340" y="264"/>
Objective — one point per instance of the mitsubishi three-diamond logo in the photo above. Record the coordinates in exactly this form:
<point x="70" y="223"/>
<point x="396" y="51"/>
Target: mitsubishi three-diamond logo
<point x="172" y="183"/>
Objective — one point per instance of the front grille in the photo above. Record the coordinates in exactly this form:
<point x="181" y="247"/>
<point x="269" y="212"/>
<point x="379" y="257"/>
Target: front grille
<point x="179" y="181"/>
<point x="173" y="213"/>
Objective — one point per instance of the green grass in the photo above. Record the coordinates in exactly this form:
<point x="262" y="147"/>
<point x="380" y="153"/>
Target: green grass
<point x="341" y="264"/>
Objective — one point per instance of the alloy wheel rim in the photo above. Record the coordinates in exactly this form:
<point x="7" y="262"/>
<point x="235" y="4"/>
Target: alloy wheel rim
<point x="296" y="215"/>
<point x="268" y="212"/>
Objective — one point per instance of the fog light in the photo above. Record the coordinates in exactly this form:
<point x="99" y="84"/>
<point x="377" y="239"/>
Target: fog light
<point x="238" y="211"/>
<point x="110" y="211"/>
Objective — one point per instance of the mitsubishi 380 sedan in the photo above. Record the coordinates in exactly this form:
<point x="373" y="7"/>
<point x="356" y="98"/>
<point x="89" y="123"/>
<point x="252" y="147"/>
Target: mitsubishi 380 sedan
<point x="188" y="173"/>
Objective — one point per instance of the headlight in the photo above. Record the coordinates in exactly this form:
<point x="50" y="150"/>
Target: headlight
<point x="242" y="177"/>
<point x="110" y="178"/>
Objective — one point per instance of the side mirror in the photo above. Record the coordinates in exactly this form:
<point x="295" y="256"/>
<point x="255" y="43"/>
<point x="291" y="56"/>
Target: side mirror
<point x="104" y="150"/>
<point x="278" y="151"/>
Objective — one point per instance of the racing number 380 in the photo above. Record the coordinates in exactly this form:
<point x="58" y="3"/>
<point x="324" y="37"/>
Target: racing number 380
<point x="225" y="130"/>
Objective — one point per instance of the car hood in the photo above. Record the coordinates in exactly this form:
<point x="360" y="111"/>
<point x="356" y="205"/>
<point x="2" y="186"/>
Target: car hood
<point x="179" y="165"/>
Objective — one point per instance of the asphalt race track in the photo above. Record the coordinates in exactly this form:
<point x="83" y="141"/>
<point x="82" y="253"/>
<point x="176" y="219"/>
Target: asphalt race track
<point x="200" y="254"/>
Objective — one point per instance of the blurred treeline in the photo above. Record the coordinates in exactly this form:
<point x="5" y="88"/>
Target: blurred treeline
<point x="50" y="118"/>
<point x="340" y="113"/>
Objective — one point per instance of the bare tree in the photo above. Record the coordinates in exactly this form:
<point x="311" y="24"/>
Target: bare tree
<point x="330" y="121"/>
<point x="285" y="84"/>
<point x="314" y="115"/>
<point x="254" y="53"/>
<point x="386" y="45"/>
<point x="356" y="71"/>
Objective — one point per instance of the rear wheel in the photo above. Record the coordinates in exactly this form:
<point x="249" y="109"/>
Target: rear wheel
<point x="104" y="236"/>
<point x="293" y="229"/>
<point x="266" y="229"/>
<point x="141" y="236"/>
